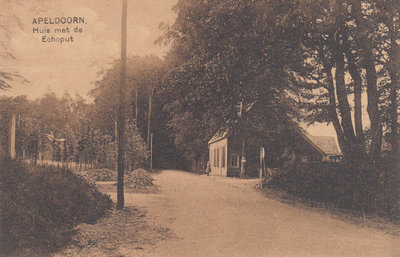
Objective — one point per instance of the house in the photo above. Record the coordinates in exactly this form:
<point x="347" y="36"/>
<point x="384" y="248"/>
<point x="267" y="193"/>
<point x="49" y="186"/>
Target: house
<point x="223" y="156"/>
<point x="281" y="149"/>
<point x="327" y="147"/>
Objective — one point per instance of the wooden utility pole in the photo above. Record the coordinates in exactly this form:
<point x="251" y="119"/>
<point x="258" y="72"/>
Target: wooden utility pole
<point x="116" y="140"/>
<point x="11" y="137"/>
<point x="121" y="113"/>
<point x="243" y="139"/>
<point x="261" y="165"/>
<point x="151" y="151"/>
<point x="136" y="107"/>
<point x="243" y="160"/>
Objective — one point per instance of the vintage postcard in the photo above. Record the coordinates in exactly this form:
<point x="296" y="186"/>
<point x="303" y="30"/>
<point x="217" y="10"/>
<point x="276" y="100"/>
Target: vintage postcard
<point x="199" y="128"/>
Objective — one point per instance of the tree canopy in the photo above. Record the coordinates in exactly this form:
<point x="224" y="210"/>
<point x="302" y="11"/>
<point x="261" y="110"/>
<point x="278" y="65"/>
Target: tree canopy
<point x="225" y="54"/>
<point x="314" y="60"/>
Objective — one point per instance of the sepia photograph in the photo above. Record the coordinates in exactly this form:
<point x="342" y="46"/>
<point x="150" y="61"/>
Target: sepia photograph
<point x="199" y="128"/>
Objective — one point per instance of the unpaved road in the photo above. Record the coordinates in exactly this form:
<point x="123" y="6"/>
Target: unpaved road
<point x="218" y="216"/>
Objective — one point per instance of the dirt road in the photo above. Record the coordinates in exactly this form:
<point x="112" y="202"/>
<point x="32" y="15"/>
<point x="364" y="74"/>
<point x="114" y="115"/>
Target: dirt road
<point x="217" y="216"/>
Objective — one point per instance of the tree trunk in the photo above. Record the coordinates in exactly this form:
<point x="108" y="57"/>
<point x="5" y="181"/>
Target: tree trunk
<point x="41" y="140"/>
<point x="149" y="116"/>
<point x="344" y="107"/>
<point x="116" y="140"/>
<point x="355" y="74"/>
<point x="393" y="108"/>
<point x="36" y="146"/>
<point x="338" y="57"/>
<point x="372" y="108"/>
<point x="344" y="147"/>
<point x="394" y="105"/>
<point x="335" y="121"/>
<point x="121" y="113"/>
<point x="151" y="152"/>
<point x="136" y="107"/>
<point x="371" y="77"/>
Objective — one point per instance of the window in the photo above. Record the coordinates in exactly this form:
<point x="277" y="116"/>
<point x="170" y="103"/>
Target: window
<point x="223" y="157"/>
<point x="234" y="160"/>
<point x="217" y="157"/>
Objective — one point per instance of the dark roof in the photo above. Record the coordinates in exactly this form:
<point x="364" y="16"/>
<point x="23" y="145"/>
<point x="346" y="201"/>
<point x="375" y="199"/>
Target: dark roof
<point x="221" y="134"/>
<point x="323" y="144"/>
<point x="326" y="144"/>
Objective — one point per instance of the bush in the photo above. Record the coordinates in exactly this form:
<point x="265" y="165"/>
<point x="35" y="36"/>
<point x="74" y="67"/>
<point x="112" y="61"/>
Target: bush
<point x="40" y="206"/>
<point x="137" y="179"/>
<point x="86" y="178"/>
<point x="102" y="175"/>
<point x="358" y="186"/>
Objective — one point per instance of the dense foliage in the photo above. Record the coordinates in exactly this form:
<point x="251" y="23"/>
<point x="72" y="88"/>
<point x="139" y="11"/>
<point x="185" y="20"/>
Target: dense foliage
<point x="368" y="188"/>
<point x="137" y="179"/>
<point x="349" y="73"/>
<point x="40" y="205"/>
<point x="101" y="174"/>
<point x="226" y="54"/>
<point x="144" y="110"/>
<point x="66" y="129"/>
<point x="324" y="60"/>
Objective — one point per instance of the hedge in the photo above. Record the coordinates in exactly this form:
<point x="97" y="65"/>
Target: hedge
<point x="41" y="205"/>
<point x="361" y="186"/>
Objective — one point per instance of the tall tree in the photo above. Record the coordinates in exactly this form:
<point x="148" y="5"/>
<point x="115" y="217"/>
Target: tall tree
<point x="225" y="53"/>
<point x="144" y="79"/>
<point x="346" y="53"/>
<point x="367" y="52"/>
<point x="319" y="54"/>
<point x="388" y="13"/>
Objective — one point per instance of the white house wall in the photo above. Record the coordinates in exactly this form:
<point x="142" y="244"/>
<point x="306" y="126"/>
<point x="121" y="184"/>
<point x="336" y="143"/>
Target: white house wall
<point x="219" y="163"/>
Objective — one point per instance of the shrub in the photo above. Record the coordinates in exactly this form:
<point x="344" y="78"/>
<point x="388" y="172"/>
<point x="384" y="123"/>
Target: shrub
<point x="102" y="175"/>
<point x="136" y="148"/>
<point x="359" y="186"/>
<point x="139" y="178"/>
<point x="86" y="178"/>
<point x="40" y="206"/>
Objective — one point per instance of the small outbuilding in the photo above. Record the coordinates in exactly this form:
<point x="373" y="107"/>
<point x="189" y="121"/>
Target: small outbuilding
<point x="274" y="150"/>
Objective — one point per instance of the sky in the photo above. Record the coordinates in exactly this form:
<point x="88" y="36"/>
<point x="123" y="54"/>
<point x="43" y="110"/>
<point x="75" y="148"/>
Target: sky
<point x="73" y="66"/>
